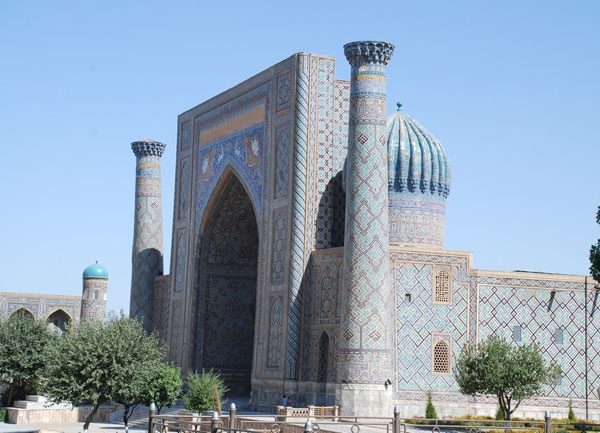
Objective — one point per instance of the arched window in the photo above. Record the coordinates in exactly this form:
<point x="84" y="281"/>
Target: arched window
<point x="323" y="358"/>
<point x="275" y="334"/>
<point x="442" y="286"/>
<point x="441" y="362"/>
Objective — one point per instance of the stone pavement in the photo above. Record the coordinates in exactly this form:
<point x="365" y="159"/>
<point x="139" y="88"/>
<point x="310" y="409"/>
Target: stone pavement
<point x="76" y="427"/>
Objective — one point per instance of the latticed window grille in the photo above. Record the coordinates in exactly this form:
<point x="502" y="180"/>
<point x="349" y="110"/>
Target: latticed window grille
<point x="441" y="361"/>
<point x="442" y="291"/>
<point x="558" y="336"/>
<point x="517" y="333"/>
<point x="323" y="358"/>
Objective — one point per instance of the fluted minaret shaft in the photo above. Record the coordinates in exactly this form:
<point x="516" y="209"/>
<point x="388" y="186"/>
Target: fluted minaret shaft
<point x="365" y="349"/>
<point x="147" y="258"/>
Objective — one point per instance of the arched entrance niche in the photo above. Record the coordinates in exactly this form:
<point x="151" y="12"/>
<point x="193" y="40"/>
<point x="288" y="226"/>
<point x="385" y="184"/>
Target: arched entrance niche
<point x="25" y="312"/>
<point x="227" y="259"/>
<point x="58" y="321"/>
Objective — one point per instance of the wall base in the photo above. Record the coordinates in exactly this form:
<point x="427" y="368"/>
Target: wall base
<point x="364" y="400"/>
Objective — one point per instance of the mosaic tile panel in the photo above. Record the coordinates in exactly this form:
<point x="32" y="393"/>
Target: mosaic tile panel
<point x="282" y="161"/>
<point x="501" y="307"/>
<point x="418" y="319"/>
<point x="147" y="261"/>
<point x="278" y="248"/>
<point x="275" y="333"/>
<point x="185" y="183"/>
<point x="365" y="355"/>
<point x="243" y="151"/>
<point x="298" y="259"/>
<point x="230" y="252"/>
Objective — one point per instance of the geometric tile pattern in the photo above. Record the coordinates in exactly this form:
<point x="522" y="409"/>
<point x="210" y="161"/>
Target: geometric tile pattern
<point x="278" y="249"/>
<point x="147" y="260"/>
<point x="40" y="306"/>
<point x="418" y="319"/>
<point x="503" y="306"/>
<point x="229" y="253"/>
<point x="365" y="354"/>
<point x="275" y="333"/>
<point x="324" y="163"/>
<point x="283" y="92"/>
<point x="282" y="163"/>
<point x="185" y="187"/>
<point x="323" y="358"/>
<point x="297" y="262"/>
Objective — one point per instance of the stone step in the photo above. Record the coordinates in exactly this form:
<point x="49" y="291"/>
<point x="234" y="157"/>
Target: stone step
<point x="38" y="398"/>
<point x="27" y="404"/>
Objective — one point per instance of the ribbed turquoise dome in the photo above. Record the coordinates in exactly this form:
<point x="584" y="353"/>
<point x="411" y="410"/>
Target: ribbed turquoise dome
<point x="95" y="271"/>
<point x="417" y="162"/>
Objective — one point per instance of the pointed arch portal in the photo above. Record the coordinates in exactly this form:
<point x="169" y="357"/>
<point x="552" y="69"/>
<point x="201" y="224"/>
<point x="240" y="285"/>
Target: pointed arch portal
<point x="58" y="321"/>
<point x="227" y="260"/>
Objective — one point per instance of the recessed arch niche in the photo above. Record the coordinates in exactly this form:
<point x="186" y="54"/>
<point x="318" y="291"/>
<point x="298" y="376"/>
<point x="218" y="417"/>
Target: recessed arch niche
<point x="227" y="259"/>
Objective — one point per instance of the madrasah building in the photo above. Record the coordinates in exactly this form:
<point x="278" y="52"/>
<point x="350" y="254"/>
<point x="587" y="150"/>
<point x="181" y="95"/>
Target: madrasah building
<point x="308" y="253"/>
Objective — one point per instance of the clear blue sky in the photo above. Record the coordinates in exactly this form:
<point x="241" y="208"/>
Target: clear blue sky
<point x="511" y="88"/>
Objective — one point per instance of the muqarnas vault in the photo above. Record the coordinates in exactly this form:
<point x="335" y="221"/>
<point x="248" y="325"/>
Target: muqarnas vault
<point x="308" y="253"/>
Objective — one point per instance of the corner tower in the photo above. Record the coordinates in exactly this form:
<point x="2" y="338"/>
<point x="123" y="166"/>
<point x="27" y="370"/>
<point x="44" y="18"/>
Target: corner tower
<point x="93" y="300"/>
<point x="147" y="257"/>
<point x="365" y="357"/>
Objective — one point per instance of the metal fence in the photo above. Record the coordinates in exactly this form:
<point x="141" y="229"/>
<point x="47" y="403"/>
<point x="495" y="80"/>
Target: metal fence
<point x="231" y="423"/>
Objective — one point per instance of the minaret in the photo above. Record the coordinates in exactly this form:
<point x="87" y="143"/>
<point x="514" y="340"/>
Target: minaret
<point x="147" y="258"/>
<point x="93" y="299"/>
<point x="365" y="355"/>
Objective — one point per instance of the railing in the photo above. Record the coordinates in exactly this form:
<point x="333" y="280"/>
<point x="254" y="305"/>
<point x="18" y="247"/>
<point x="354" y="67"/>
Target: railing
<point x="289" y="423"/>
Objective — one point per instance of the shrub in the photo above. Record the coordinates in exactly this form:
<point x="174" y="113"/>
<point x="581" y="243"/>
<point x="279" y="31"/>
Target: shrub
<point x="499" y="414"/>
<point x="2" y="415"/>
<point x="200" y="395"/>
<point x="430" y="412"/>
<point x="571" y="416"/>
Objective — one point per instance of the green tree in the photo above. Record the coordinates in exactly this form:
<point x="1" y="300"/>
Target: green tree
<point x="430" y="412"/>
<point x="164" y="386"/>
<point x="200" y="395"/>
<point x="23" y="351"/>
<point x="96" y="363"/>
<point x="511" y="373"/>
<point x="595" y="254"/>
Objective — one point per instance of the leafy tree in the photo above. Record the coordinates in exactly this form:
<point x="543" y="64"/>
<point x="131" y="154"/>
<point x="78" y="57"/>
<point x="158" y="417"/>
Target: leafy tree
<point x="571" y="415"/>
<point x="164" y="386"/>
<point x="430" y="412"/>
<point x="23" y="352"/>
<point x="200" y="395"/>
<point x="511" y="373"/>
<point x="96" y="363"/>
<point x="595" y="254"/>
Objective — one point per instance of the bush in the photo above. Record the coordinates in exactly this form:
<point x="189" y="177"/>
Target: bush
<point x="430" y="412"/>
<point x="200" y="395"/>
<point x="499" y="414"/>
<point x="571" y="416"/>
<point x="2" y="415"/>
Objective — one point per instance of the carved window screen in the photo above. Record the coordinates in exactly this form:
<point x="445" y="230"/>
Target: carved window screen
<point x="441" y="354"/>
<point x="442" y="285"/>
<point x="323" y="358"/>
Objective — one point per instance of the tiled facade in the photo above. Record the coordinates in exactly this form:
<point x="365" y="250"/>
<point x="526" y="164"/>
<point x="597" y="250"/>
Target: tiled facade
<point x="294" y="272"/>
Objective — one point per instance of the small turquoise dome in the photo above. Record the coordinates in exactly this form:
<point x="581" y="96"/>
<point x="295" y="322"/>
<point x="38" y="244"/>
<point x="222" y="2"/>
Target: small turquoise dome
<point x="95" y="271"/>
<point x="417" y="162"/>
